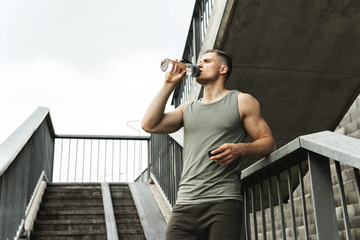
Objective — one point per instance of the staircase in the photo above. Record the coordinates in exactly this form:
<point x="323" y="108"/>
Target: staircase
<point x="75" y="211"/>
<point x="127" y="219"/>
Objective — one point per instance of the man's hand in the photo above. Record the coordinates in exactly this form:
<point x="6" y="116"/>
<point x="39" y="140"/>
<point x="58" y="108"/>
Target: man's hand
<point x="175" y="75"/>
<point x="227" y="153"/>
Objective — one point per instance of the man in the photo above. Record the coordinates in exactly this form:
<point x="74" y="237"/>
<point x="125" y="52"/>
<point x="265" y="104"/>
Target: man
<point x="209" y="198"/>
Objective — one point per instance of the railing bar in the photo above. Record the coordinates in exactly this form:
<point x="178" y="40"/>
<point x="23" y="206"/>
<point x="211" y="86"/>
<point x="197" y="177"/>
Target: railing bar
<point x="271" y="203"/>
<point x="357" y="180"/>
<point x="205" y="13"/>
<point x="76" y="159"/>
<point x="98" y="159"/>
<point x="208" y="9"/>
<point x="134" y="161"/>
<point x="127" y="160"/>
<point x="91" y="154"/>
<point x="140" y="160"/>
<point x="61" y="153"/>
<point x="254" y="211"/>
<point x="173" y="180"/>
<point x="303" y="200"/>
<point x="280" y="198"/>
<point x="291" y="198"/>
<point x="149" y="159"/>
<point x="246" y="214"/>
<point x="67" y="178"/>
<point x="120" y="161"/>
<point x="261" y="190"/>
<point x="102" y="137"/>
<point x="112" y="162"/>
<point x="105" y="160"/>
<point x="343" y="200"/>
<point x="83" y="164"/>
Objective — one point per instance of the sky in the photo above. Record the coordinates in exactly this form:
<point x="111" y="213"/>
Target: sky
<point x="95" y="64"/>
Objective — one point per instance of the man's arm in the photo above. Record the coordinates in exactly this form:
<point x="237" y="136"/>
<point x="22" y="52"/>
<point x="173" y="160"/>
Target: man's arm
<point x="155" y="120"/>
<point x="256" y="127"/>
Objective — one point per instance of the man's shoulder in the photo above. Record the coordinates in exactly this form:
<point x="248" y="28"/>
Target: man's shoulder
<point x="245" y="97"/>
<point x="247" y="104"/>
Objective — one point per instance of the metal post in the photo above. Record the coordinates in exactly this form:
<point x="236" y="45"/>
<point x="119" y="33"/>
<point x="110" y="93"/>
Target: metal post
<point x="280" y="198"/>
<point x="323" y="197"/>
<point x="291" y="200"/>
<point x="149" y="160"/>
<point x="303" y="200"/>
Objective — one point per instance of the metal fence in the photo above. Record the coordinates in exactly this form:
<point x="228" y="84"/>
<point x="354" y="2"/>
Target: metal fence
<point x="296" y="193"/>
<point x="23" y="157"/>
<point x="100" y="158"/>
<point x="196" y="34"/>
<point x="166" y="165"/>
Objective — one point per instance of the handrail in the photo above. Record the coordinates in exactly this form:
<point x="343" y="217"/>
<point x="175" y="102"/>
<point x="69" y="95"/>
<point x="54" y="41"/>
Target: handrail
<point x="32" y="207"/>
<point x="329" y="144"/>
<point x="287" y="167"/>
<point x="24" y="155"/>
<point x="107" y="137"/>
<point x="11" y="147"/>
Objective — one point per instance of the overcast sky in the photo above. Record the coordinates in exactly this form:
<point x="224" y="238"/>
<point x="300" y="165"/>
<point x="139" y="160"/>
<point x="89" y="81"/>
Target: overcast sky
<point x="95" y="64"/>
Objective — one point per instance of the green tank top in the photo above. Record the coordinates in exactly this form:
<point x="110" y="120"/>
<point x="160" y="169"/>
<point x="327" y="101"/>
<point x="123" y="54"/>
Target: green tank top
<point x="208" y="126"/>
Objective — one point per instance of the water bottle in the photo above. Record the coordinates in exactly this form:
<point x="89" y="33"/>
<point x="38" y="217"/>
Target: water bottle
<point x="192" y="69"/>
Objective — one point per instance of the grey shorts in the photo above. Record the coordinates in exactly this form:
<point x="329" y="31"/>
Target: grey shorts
<point x="210" y="221"/>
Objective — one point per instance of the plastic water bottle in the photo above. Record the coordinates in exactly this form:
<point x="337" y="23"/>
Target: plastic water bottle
<point x="192" y="69"/>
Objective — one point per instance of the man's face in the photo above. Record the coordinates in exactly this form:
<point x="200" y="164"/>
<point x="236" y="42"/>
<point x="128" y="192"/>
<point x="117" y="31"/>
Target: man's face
<point x="209" y="67"/>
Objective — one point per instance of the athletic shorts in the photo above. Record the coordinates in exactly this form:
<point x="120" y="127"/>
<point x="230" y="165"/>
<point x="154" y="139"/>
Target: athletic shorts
<point x="209" y="221"/>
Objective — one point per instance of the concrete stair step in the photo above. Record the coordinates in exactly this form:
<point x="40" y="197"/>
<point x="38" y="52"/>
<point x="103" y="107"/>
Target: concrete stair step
<point x="70" y="208"/>
<point x="354" y="223"/>
<point x="60" y="204"/>
<point x="123" y="227"/>
<point x="71" y="227"/>
<point x="93" y="203"/>
<point x="81" y="194"/>
<point x="86" y="216"/>
<point x="353" y="210"/>
<point x="95" y="234"/>
<point x="74" y="237"/>
<point x="87" y="194"/>
<point x="88" y="211"/>
<point x="128" y="236"/>
<point x="86" y="221"/>
<point x="69" y="186"/>
<point x="74" y="188"/>
<point x="76" y="212"/>
<point x="351" y="198"/>
<point x="70" y="221"/>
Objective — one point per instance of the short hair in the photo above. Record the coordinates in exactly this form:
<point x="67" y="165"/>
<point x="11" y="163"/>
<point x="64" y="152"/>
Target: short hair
<point x="226" y="57"/>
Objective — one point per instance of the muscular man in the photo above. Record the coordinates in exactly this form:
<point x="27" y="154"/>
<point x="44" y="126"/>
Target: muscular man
<point x="209" y="199"/>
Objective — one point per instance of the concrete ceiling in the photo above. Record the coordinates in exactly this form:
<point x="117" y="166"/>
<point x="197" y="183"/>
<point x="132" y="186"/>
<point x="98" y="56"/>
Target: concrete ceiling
<point x="300" y="59"/>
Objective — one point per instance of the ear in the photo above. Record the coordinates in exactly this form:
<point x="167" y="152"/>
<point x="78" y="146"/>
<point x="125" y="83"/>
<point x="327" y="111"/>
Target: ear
<point x="223" y="69"/>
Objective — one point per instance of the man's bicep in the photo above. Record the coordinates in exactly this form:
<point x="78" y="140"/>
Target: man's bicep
<point x="256" y="127"/>
<point x="253" y="122"/>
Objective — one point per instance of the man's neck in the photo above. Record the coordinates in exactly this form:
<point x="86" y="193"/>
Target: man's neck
<point x="213" y="94"/>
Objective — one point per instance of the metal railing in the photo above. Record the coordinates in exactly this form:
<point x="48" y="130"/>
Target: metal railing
<point x="35" y="148"/>
<point x="196" y="34"/>
<point x="23" y="157"/>
<point x="281" y="202"/>
<point x="295" y="193"/>
<point x="166" y="168"/>
<point x="80" y="158"/>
